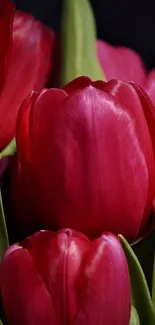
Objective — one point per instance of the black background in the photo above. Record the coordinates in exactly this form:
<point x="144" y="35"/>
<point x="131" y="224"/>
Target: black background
<point x="121" y="22"/>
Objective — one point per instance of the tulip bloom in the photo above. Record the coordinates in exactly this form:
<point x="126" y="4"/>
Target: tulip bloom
<point x="27" y="45"/>
<point x="86" y="158"/>
<point x="123" y="63"/>
<point x="64" y="278"/>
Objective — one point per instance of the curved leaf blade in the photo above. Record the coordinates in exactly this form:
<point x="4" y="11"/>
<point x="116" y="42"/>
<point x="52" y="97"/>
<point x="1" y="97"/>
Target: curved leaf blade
<point x="9" y="150"/>
<point x="134" y="319"/>
<point x="141" y="298"/>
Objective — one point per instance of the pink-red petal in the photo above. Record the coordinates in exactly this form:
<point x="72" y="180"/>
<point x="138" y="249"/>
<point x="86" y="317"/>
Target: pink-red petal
<point x="89" y="164"/>
<point x="77" y="84"/>
<point x="6" y="24"/>
<point x="29" y="66"/>
<point x="104" y="285"/>
<point x="58" y="259"/>
<point x="25" y="298"/>
<point x="23" y="128"/>
<point x="149" y="85"/>
<point x="121" y="63"/>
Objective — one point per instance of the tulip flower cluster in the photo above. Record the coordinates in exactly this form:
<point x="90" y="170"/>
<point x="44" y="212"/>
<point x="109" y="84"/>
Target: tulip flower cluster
<point x="82" y="169"/>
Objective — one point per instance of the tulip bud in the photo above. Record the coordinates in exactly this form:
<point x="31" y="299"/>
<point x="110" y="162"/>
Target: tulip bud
<point x="86" y="155"/>
<point x="64" y="278"/>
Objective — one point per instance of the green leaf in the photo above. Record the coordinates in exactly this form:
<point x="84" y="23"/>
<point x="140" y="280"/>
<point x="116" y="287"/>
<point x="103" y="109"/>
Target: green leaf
<point x="4" y="242"/>
<point x="78" y="40"/>
<point x="141" y="298"/>
<point x="9" y="150"/>
<point x="134" y="318"/>
<point x="1" y="322"/>
<point x="143" y="249"/>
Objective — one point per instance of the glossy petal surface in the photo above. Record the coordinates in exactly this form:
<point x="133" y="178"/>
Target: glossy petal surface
<point x="58" y="259"/>
<point x="29" y="65"/>
<point x="90" y="156"/>
<point x="25" y="297"/>
<point x="64" y="278"/>
<point x="105" y="268"/>
<point x="83" y="180"/>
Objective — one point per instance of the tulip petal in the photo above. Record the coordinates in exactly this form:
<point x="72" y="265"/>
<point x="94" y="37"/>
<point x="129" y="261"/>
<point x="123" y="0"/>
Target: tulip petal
<point x="23" y="174"/>
<point x="121" y="63"/>
<point x="6" y="24"/>
<point x="150" y="85"/>
<point x="29" y="65"/>
<point x="134" y="66"/>
<point x="110" y="61"/>
<point x="103" y="278"/>
<point x="149" y="112"/>
<point x="25" y="297"/>
<point x="57" y="258"/>
<point x="23" y="128"/>
<point x="76" y="84"/>
<point x="49" y="99"/>
<point x="99" y="84"/>
<point x="83" y="165"/>
<point x="127" y="94"/>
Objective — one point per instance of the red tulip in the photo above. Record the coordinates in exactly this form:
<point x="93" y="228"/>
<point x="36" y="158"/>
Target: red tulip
<point x="86" y="157"/>
<point x="65" y="278"/>
<point x="123" y="63"/>
<point x="28" y="64"/>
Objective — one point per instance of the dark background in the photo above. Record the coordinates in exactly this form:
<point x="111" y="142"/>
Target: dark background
<point x="121" y="22"/>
